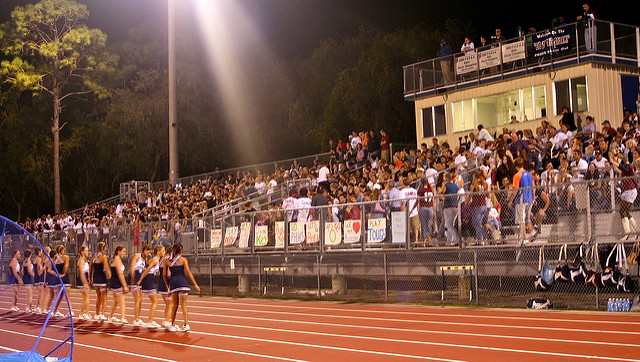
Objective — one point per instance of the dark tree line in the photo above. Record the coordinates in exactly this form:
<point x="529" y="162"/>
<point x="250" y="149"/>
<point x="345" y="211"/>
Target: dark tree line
<point x="119" y="132"/>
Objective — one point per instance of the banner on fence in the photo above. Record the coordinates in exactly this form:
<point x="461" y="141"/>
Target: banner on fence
<point x="216" y="238"/>
<point x="230" y="235"/>
<point x="398" y="227"/>
<point x="489" y="58"/>
<point x="261" y="235"/>
<point x="245" y="232"/>
<point x="313" y="232"/>
<point x="467" y="64"/>
<point x="513" y="51"/>
<point x="377" y="230"/>
<point x="279" y="231"/>
<point x="332" y="233"/>
<point x="296" y="233"/>
<point x="352" y="231"/>
<point x="551" y="42"/>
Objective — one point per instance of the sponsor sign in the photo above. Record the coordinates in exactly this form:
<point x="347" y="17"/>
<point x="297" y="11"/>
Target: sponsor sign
<point x="513" y="51"/>
<point x="467" y="64"/>
<point x="489" y="58"/>
<point x="552" y="41"/>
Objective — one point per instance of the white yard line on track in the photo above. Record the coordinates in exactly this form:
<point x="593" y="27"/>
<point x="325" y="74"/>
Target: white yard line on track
<point x="137" y="355"/>
<point x="416" y="311"/>
<point x="79" y="328"/>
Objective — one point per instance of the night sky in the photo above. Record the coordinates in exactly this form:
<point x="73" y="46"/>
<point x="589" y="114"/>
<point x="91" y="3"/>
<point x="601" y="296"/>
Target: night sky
<point x="294" y="27"/>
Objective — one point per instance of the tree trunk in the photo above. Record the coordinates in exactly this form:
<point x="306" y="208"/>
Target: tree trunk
<point x="56" y="151"/>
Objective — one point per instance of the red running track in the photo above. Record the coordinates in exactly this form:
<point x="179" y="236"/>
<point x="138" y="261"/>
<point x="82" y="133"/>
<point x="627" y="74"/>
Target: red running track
<point x="259" y="329"/>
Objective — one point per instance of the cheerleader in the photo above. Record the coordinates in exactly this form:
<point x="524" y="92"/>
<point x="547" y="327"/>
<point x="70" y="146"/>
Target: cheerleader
<point x="147" y="283"/>
<point x="61" y="262"/>
<point x="99" y="273"/>
<point x="83" y="281"/>
<point x="179" y="284"/>
<point x="137" y="266"/>
<point x="53" y="282"/>
<point x="27" y="279"/>
<point x="14" y="278"/>
<point x="118" y="285"/>
<point x="163" y="287"/>
<point x="38" y="279"/>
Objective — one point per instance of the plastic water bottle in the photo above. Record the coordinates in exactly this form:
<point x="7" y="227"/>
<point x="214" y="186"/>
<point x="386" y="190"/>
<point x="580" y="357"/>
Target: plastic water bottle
<point x="610" y="305"/>
<point x="627" y="305"/>
<point x="616" y="305"/>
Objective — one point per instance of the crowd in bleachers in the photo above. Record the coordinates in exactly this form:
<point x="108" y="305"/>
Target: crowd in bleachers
<point x="360" y="168"/>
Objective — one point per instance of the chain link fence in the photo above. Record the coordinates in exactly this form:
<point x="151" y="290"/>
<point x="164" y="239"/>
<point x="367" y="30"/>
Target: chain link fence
<point x="454" y="248"/>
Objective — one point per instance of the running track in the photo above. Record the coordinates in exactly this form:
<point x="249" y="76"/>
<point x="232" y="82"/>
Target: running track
<point x="257" y="329"/>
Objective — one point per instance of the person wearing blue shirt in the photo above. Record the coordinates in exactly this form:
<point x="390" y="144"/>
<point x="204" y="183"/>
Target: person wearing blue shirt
<point x="445" y="55"/>
<point x="450" y="209"/>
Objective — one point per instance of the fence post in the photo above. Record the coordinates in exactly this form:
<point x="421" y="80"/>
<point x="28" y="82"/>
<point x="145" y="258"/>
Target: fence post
<point x="260" y="275"/>
<point x="363" y="228"/>
<point x="589" y="221"/>
<point x="612" y="36"/>
<point x="318" y="275"/>
<point x="475" y="267"/>
<point x="612" y="190"/>
<point x="459" y="216"/>
<point x="211" y="275"/>
<point x="408" y="225"/>
<point x="386" y="277"/>
<point x="638" y="45"/>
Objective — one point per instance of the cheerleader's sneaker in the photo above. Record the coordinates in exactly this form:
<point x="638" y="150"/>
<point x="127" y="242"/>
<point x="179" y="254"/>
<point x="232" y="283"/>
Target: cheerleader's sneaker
<point x="115" y="320"/>
<point x="59" y="315"/>
<point x="124" y="321"/>
<point x="15" y="309"/>
<point x="139" y="323"/>
<point x="185" y="328"/>
<point x="153" y="325"/>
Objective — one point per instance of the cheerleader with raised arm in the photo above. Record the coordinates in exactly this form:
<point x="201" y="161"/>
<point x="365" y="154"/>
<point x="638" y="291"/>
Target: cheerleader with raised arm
<point x="179" y="284"/>
<point x="118" y="285"/>
<point x="99" y="274"/>
<point x="163" y="285"/>
<point x="136" y="268"/>
<point x="38" y="279"/>
<point x="27" y="278"/>
<point x="147" y="283"/>
<point x="15" y="281"/>
<point x="83" y="281"/>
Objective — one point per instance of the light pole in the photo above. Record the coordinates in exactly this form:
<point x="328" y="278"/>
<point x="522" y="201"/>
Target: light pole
<point x="173" y="101"/>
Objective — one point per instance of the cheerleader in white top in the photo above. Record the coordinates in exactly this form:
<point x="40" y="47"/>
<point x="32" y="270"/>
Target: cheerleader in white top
<point x="83" y="281"/>
<point x="163" y="286"/>
<point x="147" y="283"/>
<point x="137" y="267"/>
<point x="14" y="278"/>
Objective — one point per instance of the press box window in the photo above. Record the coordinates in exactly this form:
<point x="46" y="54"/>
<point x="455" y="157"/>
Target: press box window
<point x="571" y="93"/>
<point x="433" y="121"/>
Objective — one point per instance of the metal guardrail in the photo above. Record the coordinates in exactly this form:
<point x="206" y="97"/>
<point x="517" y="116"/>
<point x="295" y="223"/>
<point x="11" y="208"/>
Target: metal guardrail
<point x="267" y="167"/>
<point x="545" y="50"/>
